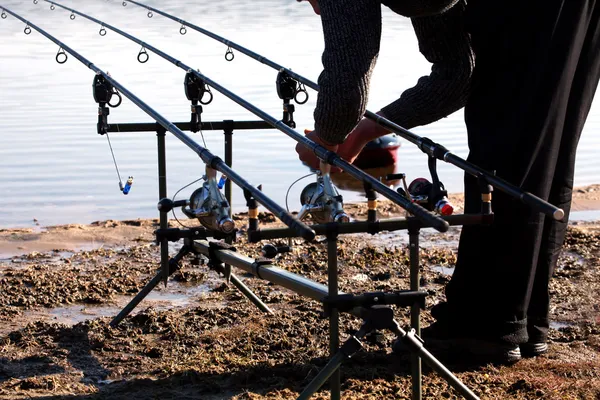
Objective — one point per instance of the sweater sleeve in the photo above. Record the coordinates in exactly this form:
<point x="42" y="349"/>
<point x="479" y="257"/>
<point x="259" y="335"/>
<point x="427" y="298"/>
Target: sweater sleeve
<point x="444" y="42"/>
<point x="352" y="32"/>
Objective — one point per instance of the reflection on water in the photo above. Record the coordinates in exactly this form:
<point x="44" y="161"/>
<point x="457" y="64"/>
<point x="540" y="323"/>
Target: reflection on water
<point x="55" y="168"/>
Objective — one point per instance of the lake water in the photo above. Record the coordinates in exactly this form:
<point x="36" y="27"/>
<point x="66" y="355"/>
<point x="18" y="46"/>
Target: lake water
<point x="56" y="169"/>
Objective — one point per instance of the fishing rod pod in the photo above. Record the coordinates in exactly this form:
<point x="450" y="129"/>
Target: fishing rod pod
<point x="209" y="206"/>
<point x="209" y="199"/>
<point x="424" y="144"/>
<point x="320" y="151"/>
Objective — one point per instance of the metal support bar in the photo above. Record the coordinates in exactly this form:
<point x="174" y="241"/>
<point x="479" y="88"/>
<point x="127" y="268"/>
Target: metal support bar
<point x="416" y="373"/>
<point x="162" y="194"/>
<point x="186" y="126"/>
<point x="392" y="224"/>
<point x="228" y="128"/>
<point x="351" y="346"/>
<point x="415" y="344"/>
<point x="271" y="273"/>
<point x="246" y="291"/>
<point x="334" y="314"/>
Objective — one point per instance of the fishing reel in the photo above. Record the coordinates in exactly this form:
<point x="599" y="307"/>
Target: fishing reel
<point x="209" y="206"/>
<point x="322" y="200"/>
<point x="430" y="196"/>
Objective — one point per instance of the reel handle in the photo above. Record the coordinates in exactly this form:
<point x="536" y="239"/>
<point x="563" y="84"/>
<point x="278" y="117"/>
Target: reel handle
<point x="166" y="205"/>
<point x="270" y="251"/>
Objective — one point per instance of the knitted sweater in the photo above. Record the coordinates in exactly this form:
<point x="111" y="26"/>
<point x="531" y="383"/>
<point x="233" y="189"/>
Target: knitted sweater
<point x="352" y="31"/>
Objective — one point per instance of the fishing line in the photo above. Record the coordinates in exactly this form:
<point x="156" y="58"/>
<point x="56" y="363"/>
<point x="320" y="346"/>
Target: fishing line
<point x="115" y="162"/>
<point x="175" y="196"/>
<point x="290" y="188"/>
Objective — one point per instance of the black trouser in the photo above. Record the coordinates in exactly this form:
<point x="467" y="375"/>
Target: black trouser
<point x="537" y="69"/>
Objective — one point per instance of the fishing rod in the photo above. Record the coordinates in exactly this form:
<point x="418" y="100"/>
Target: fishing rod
<point x="326" y="155"/>
<point x="426" y="145"/>
<point x="212" y="162"/>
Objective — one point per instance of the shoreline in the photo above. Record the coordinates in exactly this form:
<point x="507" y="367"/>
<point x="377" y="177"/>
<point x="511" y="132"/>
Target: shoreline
<point x="200" y="338"/>
<point x="111" y="233"/>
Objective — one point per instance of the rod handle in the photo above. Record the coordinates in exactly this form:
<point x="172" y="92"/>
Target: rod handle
<point x="542" y="206"/>
<point x="300" y="227"/>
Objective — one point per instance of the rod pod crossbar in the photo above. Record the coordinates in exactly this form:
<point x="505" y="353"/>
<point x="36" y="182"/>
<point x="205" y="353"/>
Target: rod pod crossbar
<point x="320" y="151"/>
<point x="424" y="144"/>
<point x="209" y="159"/>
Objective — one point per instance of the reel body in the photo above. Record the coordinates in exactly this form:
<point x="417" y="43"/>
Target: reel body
<point x="322" y="201"/>
<point x="209" y="206"/>
<point x="423" y="192"/>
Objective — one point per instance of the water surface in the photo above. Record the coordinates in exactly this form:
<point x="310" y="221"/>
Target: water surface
<point x="56" y="169"/>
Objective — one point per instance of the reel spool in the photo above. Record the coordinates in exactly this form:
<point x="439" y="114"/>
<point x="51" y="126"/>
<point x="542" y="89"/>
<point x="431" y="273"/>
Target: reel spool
<point x="209" y="206"/>
<point x="322" y="201"/>
<point x="422" y="192"/>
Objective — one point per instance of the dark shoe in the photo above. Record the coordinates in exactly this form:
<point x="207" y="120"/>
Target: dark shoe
<point x="482" y="351"/>
<point x="531" y="349"/>
<point x="441" y="341"/>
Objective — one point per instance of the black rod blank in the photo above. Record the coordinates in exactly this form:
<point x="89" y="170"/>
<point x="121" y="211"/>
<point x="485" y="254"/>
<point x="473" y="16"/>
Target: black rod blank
<point x="211" y="160"/>
<point x="424" y="144"/>
<point x="320" y="151"/>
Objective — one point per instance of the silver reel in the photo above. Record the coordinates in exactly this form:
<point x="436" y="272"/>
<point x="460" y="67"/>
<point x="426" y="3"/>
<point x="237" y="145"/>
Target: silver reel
<point x="322" y="201"/>
<point x="209" y="206"/>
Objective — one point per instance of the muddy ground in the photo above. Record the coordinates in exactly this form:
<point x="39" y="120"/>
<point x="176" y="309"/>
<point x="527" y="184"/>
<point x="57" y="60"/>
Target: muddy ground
<point x="200" y="339"/>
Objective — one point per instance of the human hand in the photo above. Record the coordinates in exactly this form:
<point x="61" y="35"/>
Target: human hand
<point x="363" y="133"/>
<point x="308" y="157"/>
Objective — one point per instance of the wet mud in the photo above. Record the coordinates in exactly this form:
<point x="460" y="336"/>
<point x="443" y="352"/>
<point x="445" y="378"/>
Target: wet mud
<point x="201" y="339"/>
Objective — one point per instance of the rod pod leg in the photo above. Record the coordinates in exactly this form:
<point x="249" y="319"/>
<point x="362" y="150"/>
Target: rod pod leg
<point x="348" y="349"/>
<point x="246" y="291"/>
<point x="415" y="344"/>
<point x="416" y="370"/>
<point x="162" y="194"/>
<point x="173" y="265"/>
<point x="334" y="314"/>
<point x="224" y="269"/>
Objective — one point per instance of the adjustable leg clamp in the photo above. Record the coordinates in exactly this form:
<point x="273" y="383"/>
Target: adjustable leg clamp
<point x="257" y="264"/>
<point x="176" y="234"/>
<point x="412" y="341"/>
<point x="213" y="259"/>
<point x="351" y="346"/>
<point x="346" y="302"/>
